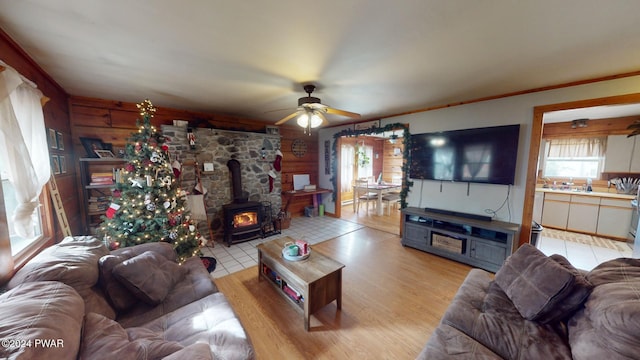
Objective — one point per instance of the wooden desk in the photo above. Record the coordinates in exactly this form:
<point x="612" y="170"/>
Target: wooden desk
<point x="316" y="195"/>
<point x="317" y="279"/>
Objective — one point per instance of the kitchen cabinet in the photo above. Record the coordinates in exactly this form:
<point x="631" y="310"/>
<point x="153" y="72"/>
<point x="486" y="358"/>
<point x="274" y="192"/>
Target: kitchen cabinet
<point x="583" y="213"/>
<point x="623" y="154"/>
<point x="614" y="218"/>
<point x="555" y="211"/>
<point x="538" y="202"/>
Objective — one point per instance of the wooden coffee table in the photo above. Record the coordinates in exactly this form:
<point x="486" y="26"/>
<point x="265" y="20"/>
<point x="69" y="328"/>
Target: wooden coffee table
<point x="308" y="284"/>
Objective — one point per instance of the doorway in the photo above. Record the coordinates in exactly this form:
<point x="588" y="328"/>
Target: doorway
<point x="377" y="155"/>
<point x="540" y="113"/>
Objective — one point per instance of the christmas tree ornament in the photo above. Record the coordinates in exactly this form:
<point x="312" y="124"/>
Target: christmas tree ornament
<point x="166" y="204"/>
<point x="151" y="207"/>
<point x="136" y="182"/>
<point x="111" y="211"/>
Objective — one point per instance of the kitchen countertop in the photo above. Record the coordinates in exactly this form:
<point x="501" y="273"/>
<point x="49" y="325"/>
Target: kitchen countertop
<point x="612" y="195"/>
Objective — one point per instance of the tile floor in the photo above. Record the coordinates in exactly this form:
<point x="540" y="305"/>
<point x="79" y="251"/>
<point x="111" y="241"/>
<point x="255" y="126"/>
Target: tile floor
<point x="580" y="252"/>
<point x="245" y="255"/>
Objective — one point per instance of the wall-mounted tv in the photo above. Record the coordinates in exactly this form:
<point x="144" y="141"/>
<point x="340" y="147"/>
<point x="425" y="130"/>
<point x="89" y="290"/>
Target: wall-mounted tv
<point x="482" y="155"/>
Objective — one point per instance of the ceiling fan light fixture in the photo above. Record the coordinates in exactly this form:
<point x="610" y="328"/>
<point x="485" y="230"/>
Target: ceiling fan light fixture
<point x="316" y="120"/>
<point x="303" y="120"/>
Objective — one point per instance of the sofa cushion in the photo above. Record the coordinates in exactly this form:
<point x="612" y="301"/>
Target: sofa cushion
<point x="447" y="342"/>
<point x="196" y="284"/>
<point x="539" y="286"/>
<point x="149" y="276"/>
<point x="117" y="294"/>
<point x="41" y="311"/>
<point x="209" y="320"/>
<point x="483" y="312"/>
<point x="105" y="339"/>
<point x="611" y="317"/>
<point x="73" y="261"/>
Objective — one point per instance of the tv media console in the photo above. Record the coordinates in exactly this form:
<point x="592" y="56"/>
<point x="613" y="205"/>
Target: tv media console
<point x="479" y="243"/>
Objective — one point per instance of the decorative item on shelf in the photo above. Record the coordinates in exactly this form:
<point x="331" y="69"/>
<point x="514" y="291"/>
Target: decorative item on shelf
<point x="191" y="137"/>
<point x="104" y="154"/>
<point x="91" y="145"/>
<point x="180" y="123"/>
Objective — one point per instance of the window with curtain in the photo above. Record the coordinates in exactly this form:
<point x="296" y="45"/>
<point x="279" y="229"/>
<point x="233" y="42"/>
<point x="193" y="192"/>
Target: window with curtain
<point x="574" y="157"/>
<point x="366" y="170"/>
<point x="347" y="162"/>
<point x="24" y="162"/>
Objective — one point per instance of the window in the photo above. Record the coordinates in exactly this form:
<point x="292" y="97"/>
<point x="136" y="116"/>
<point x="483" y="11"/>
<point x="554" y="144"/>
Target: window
<point x="25" y="168"/>
<point x="18" y="243"/>
<point x="574" y="157"/>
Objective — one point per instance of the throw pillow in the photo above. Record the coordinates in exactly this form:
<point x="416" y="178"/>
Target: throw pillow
<point x="565" y="307"/>
<point x="149" y="276"/>
<point x="537" y="284"/>
<point x="121" y="299"/>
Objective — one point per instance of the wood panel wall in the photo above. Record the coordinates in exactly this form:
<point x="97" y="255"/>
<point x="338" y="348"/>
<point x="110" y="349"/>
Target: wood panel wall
<point x="113" y="122"/>
<point x="56" y="116"/>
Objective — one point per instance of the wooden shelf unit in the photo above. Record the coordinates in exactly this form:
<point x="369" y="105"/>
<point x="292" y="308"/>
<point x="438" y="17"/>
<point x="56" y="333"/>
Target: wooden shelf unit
<point x="479" y="243"/>
<point x="100" y="194"/>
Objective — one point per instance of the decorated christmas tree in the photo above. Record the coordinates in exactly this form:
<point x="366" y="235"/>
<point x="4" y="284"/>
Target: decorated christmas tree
<point x="148" y="205"/>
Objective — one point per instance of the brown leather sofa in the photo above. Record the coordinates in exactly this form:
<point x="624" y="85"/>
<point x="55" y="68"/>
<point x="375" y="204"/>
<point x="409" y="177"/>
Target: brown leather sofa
<point x="77" y="300"/>
<point x="540" y="307"/>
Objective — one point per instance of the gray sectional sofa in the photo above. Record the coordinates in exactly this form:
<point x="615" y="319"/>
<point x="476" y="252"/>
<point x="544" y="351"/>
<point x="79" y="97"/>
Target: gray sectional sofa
<point x="77" y="300"/>
<point x="539" y="307"/>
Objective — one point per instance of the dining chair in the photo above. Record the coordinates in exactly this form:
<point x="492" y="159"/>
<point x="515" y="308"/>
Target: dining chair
<point x="362" y="193"/>
<point x="391" y="199"/>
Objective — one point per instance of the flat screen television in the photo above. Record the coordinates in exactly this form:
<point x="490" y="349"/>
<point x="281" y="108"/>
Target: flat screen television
<point x="482" y="155"/>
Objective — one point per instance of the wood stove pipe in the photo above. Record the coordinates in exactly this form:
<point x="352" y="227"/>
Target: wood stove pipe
<point x="236" y="181"/>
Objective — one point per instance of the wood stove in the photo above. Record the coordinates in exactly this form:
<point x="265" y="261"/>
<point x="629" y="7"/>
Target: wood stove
<point x="242" y="221"/>
<point x="242" y="218"/>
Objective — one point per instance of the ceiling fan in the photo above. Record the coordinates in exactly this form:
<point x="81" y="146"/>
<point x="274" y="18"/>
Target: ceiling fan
<point x="311" y="111"/>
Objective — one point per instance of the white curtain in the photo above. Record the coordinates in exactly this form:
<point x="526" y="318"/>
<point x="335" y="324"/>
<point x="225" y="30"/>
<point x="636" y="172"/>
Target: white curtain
<point x="23" y="144"/>
<point x="347" y="159"/>
<point x="577" y="147"/>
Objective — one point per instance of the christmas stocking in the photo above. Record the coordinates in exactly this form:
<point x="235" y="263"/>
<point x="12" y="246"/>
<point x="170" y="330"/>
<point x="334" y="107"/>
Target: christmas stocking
<point x="111" y="211"/>
<point x="177" y="168"/>
<point x="277" y="164"/>
<point x="272" y="176"/>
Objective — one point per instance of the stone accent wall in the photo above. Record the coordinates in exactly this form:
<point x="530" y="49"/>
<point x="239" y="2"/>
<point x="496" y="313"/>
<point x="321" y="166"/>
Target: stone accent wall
<point x="218" y="147"/>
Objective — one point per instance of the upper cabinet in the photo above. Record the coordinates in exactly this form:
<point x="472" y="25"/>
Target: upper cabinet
<point x="623" y="154"/>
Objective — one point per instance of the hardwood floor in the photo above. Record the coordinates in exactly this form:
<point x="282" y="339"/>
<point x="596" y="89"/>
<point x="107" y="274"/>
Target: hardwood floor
<point x="389" y="223"/>
<point x="393" y="297"/>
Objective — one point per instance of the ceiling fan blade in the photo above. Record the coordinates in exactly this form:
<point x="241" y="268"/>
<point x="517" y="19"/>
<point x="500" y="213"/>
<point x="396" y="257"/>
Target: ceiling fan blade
<point x="287" y="118"/>
<point x="343" y="113"/>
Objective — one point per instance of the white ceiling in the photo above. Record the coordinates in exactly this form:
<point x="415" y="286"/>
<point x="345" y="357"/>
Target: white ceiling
<point x="374" y="57"/>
